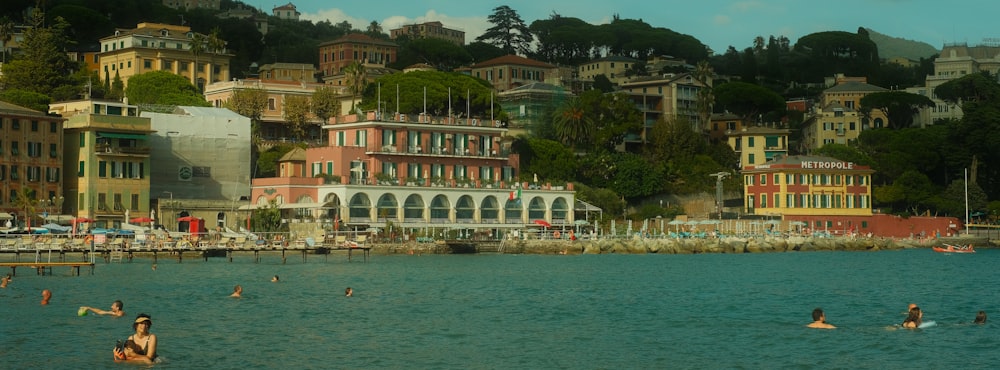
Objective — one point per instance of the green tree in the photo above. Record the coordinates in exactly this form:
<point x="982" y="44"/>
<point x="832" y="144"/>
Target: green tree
<point x="325" y="104"/>
<point x="27" y="99"/>
<point x="706" y="98"/>
<point x="296" y="113"/>
<point x="747" y="100"/>
<point x="481" y="51"/>
<point x="249" y="103"/>
<point x="603" y="198"/>
<point x="43" y="66"/>
<point x="508" y="32"/>
<point x="163" y="88"/>
<point x="898" y="106"/>
<point x="466" y="91"/>
<point x="267" y="220"/>
<point x="548" y="159"/>
<point x="441" y="54"/>
<point x="117" y="91"/>
<point x="6" y="33"/>
<point x="375" y="31"/>
<point x="953" y="199"/>
<point x="845" y="153"/>
<point x="24" y="199"/>
<point x="603" y="84"/>
<point x="613" y="115"/>
<point x="267" y="161"/>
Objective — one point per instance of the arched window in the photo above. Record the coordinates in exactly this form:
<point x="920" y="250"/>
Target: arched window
<point x="413" y="208"/>
<point x="536" y="209"/>
<point x="489" y="211"/>
<point x="440" y="208"/>
<point x="465" y="209"/>
<point x="512" y="212"/>
<point x="387" y="207"/>
<point x="360" y="206"/>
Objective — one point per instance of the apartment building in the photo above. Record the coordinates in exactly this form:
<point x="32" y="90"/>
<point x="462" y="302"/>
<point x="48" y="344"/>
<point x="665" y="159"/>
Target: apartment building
<point x="162" y="47"/>
<point x="848" y="92"/>
<point x="337" y="54"/>
<point x="668" y="96"/>
<point x="428" y="30"/>
<point x="31" y="156"/>
<point x="756" y="145"/>
<point x="833" y="124"/>
<point x="613" y="67"/>
<point x="287" y="11"/>
<point x="510" y="71"/>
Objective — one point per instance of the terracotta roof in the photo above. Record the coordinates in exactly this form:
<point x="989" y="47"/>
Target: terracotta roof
<point x="288" y="6"/>
<point x="757" y="130"/>
<point x="8" y="108"/>
<point x="511" y="59"/>
<point x="294" y="155"/>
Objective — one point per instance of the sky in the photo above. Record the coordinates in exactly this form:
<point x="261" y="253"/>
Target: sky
<point x="716" y="23"/>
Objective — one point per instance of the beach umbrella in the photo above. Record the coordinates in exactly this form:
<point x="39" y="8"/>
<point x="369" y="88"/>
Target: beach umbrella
<point x="187" y="219"/>
<point x="56" y="228"/>
<point x="140" y="220"/>
<point x="82" y="220"/>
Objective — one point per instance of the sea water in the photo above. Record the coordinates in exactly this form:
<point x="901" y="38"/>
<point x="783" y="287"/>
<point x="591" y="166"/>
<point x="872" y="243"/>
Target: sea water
<point x="518" y="311"/>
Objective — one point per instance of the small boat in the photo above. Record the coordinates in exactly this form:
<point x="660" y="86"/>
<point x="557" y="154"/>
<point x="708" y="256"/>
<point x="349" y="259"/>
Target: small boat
<point x="948" y="248"/>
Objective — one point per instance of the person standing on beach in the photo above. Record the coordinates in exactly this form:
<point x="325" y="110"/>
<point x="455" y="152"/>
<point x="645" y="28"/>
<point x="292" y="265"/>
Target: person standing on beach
<point x="237" y="292"/>
<point x="46" y="296"/>
<point x="116" y="309"/>
<point x="819" y="320"/>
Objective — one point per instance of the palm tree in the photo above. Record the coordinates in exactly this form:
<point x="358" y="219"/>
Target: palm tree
<point x="215" y="45"/>
<point x="199" y="44"/>
<point x="356" y="77"/>
<point x="706" y="98"/>
<point x="573" y="125"/>
<point x="25" y="199"/>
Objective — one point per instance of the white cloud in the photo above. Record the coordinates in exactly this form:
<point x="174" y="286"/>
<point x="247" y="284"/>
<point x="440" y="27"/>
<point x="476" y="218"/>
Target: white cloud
<point x="721" y="20"/>
<point x="335" y="16"/>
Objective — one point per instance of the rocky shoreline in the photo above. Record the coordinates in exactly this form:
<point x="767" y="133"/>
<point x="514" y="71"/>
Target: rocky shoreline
<point x="687" y="246"/>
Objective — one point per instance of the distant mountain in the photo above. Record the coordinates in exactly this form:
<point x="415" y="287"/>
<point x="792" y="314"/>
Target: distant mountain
<point x="889" y="47"/>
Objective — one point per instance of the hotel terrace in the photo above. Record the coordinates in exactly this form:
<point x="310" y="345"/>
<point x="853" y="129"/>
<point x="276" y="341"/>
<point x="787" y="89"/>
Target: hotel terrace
<point x="416" y="171"/>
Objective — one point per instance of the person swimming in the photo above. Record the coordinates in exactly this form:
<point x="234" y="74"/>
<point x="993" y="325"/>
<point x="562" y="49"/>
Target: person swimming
<point x="914" y="318"/>
<point x="141" y="346"/>
<point x="275" y="279"/>
<point x="980" y="318"/>
<point x="819" y="320"/>
<point x="116" y="309"/>
<point x="348" y="292"/>
<point x="46" y="296"/>
<point x="4" y="281"/>
<point x="237" y="292"/>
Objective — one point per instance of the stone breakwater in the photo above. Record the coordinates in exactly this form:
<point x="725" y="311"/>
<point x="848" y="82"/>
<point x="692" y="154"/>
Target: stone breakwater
<point x="688" y="246"/>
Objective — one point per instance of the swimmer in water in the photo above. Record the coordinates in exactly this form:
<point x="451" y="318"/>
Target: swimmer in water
<point x="819" y="320"/>
<point x="274" y="279"/>
<point x="914" y="318"/>
<point x="980" y="318"/>
<point x="4" y="281"/>
<point x="46" y="296"/>
<point x="116" y="309"/>
<point x="237" y="292"/>
<point x="348" y="292"/>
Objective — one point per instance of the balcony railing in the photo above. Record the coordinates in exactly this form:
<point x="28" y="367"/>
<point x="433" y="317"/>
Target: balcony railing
<point x="117" y="150"/>
<point x="437" y="151"/>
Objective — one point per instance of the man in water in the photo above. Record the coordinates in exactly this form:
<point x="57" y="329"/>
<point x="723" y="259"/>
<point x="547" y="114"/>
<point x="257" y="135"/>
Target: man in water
<point x="980" y="318"/>
<point x="46" y="296"/>
<point x="237" y="292"/>
<point x="819" y="320"/>
<point x="348" y="292"/>
<point x="116" y="309"/>
<point x="4" y="281"/>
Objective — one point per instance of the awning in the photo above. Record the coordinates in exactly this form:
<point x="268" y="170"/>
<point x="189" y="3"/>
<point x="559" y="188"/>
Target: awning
<point x="586" y="207"/>
<point x="6" y="216"/>
<point x="120" y="135"/>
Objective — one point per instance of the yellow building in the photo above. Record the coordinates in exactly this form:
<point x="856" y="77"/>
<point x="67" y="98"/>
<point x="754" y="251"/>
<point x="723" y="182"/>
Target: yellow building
<point x="807" y="186"/>
<point x="756" y="145"/>
<point x="613" y="67"/>
<point x="162" y="47"/>
<point x="106" y="160"/>
<point x="834" y="124"/>
<point x="429" y="30"/>
<point x="288" y="72"/>
<point x="848" y="93"/>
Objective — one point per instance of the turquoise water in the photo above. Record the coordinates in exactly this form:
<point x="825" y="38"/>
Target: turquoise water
<point x="519" y="311"/>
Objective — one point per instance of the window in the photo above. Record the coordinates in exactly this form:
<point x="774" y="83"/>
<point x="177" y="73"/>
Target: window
<point x="79" y="171"/>
<point x="3" y="172"/>
<point x="270" y="103"/>
<point x="15" y="124"/>
<point x="134" y="204"/>
<point x="53" y="152"/>
<point x="777" y="200"/>
<point x="341" y="139"/>
<point x="13" y="173"/>
<point x="118" y="202"/>
<point x="763" y="201"/>
<point x="52" y="174"/>
<point x="777" y="178"/>
<point x="147" y="64"/>
<point x="14" y="148"/>
<point x="53" y="127"/>
<point x="750" y="143"/>
<point x="83" y="140"/>
<point x="750" y="159"/>
<point x="763" y="179"/>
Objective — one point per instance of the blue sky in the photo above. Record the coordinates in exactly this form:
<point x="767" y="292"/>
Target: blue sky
<point x="717" y="23"/>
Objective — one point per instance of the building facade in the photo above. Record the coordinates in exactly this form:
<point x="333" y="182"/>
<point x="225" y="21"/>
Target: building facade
<point x="192" y="4"/>
<point x="272" y="121"/>
<point x="756" y="145"/>
<point x="337" y="54"/>
<point x="669" y="96"/>
<point x="531" y="104"/>
<point x="723" y="124"/>
<point x="417" y="172"/>
<point x="510" y="71"/>
<point x="31" y="156"/>
<point x="955" y="60"/>
<point x="106" y="160"/>
<point x="202" y="166"/>
<point x="848" y="93"/>
<point x="613" y="67"/>
<point x="429" y="30"/>
<point x="807" y="185"/>
<point x="287" y="11"/>
<point x="162" y="47"/>
<point x="288" y="72"/>
<point x="834" y="124"/>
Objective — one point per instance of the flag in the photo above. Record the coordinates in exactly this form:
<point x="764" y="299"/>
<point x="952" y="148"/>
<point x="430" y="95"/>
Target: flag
<point x="515" y="194"/>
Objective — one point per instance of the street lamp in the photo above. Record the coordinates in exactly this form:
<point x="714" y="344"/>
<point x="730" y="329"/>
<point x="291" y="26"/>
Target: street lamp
<point x="719" y="176"/>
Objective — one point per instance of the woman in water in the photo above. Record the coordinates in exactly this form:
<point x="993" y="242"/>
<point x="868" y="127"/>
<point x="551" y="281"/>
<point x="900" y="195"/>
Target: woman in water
<point x="980" y="318"/>
<point x="141" y="346"/>
<point x="913" y="319"/>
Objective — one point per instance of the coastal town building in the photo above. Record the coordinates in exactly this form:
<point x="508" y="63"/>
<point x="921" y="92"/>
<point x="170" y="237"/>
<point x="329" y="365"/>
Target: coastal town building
<point x="433" y="29"/>
<point x="304" y="72"/>
<point x="106" y="160"/>
<point x="613" y="67"/>
<point x="510" y="71"/>
<point x="202" y="166"/>
<point x="163" y="47"/>
<point x="242" y="12"/>
<point x="531" y="104"/>
<point x="834" y="124"/>
<point x="31" y="155"/>
<point x="415" y="172"/>
<point x="848" y="92"/>
<point x="956" y="60"/>
<point x="355" y="47"/>
<point x="273" y="128"/>
<point x="723" y="124"/>
<point x="668" y="96"/>
<point x="287" y="11"/>
<point x="755" y="145"/>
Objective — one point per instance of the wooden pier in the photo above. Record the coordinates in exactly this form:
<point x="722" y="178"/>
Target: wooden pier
<point x="43" y="267"/>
